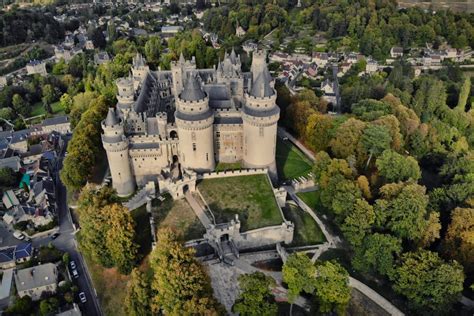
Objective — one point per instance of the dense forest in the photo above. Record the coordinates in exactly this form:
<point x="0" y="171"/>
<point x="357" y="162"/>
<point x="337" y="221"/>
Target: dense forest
<point x="19" y="26"/>
<point x="371" y="27"/>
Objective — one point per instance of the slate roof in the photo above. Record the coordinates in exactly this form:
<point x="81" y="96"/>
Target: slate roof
<point x="111" y="118"/>
<point x="261" y="85"/>
<point x="192" y="91"/>
<point x="56" y="120"/>
<point x="7" y="254"/>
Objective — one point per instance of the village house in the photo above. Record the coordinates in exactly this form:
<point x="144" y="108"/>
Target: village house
<point x="37" y="280"/>
<point x="36" y="67"/>
<point x="396" y="52"/>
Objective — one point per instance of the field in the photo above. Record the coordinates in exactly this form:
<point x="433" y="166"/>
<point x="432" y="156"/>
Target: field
<point x="307" y="231"/>
<point x="38" y="109"/>
<point x="178" y="216"/>
<point x="251" y="197"/>
<point x="291" y="162"/>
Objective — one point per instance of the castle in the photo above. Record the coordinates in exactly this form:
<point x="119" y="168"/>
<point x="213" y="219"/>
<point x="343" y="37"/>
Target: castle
<point x="189" y="119"/>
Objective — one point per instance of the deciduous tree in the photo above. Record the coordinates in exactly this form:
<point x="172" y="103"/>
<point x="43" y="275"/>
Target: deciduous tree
<point x="255" y="296"/>
<point x="377" y="253"/>
<point x="180" y="282"/>
<point x="332" y="287"/>
<point x="429" y="283"/>
<point x="395" y="167"/>
<point x="358" y="222"/>
<point x="138" y="297"/>
<point x="459" y="241"/>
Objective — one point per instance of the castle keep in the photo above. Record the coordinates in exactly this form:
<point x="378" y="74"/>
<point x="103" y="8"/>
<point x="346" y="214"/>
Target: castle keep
<point x="190" y="119"/>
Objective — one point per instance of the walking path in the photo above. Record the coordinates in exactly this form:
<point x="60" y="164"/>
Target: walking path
<point x="283" y="133"/>
<point x="198" y="209"/>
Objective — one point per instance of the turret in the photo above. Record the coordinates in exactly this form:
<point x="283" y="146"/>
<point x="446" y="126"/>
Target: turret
<point x="139" y="70"/>
<point x="194" y="121"/>
<point x="125" y="94"/>
<point x="116" y="145"/>
<point x="260" y="115"/>
<point x="179" y="69"/>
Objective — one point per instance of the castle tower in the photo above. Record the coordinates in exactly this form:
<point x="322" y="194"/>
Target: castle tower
<point x="139" y="70"/>
<point x="260" y="115"/>
<point x="178" y="70"/>
<point x="194" y="120"/>
<point x="230" y="71"/>
<point x="125" y="95"/>
<point x="116" y="145"/>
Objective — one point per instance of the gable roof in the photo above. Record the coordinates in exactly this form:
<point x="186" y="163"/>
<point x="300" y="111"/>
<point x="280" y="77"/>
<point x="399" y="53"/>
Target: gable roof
<point x="23" y="250"/>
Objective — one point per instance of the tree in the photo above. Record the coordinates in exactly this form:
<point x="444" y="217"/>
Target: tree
<point x="120" y="236"/>
<point x="459" y="241"/>
<point x="180" y="282"/>
<point x="319" y="131"/>
<point x="138" y="297"/>
<point x="94" y="225"/>
<point x="377" y="253"/>
<point x="66" y="102"/>
<point x="369" y="110"/>
<point x="22" y="306"/>
<point x="464" y="94"/>
<point x="255" y="296"/>
<point x="347" y="139"/>
<point x="332" y="287"/>
<point x="358" y="222"/>
<point x="98" y="38"/>
<point x="19" y="105"/>
<point x="403" y="209"/>
<point x="8" y="178"/>
<point x="49" y="96"/>
<point x="153" y="50"/>
<point x="49" y="305"/>
<point x="395" y="167"/>
<point x="375" y="140"/>
<point x="429" y="283"/>
<point x="6" y="113"/>
<point x="298" y="273"/>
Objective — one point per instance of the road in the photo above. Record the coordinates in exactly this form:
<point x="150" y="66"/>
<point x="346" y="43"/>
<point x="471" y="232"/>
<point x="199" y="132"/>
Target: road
<point x="66" y="242"/>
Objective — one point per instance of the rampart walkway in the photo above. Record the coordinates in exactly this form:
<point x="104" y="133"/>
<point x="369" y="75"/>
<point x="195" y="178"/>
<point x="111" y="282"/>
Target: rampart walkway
<point x="198" y="209"/>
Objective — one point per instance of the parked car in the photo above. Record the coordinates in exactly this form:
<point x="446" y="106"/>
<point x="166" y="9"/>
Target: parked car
<point x="72" y="264"/>
<point x="75" y="274"/>
<point x="82" y="297"/>
<point x="18" y="235"/>
<point x="55" y="235"/>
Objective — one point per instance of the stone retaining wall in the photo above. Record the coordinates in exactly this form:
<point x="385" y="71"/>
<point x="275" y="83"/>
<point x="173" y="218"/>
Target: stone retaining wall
<point x="232" y="173"/>
<point x="265" y="236"/>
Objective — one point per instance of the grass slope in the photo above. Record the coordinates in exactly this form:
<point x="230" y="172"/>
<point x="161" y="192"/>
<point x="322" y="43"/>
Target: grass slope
<point x="178" y="216"/>
<point x="307" y="231"/>
<point x="249" y="196"/>
<point x="291" y="162"/>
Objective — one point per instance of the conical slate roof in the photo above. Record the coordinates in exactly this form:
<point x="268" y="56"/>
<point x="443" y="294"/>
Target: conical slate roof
<point x="192" y="90"/>
<point x="181" y="58"/>
<point x="261" y="84"/>
<point x="111" y="118"/>
<point x="233" y="57"/>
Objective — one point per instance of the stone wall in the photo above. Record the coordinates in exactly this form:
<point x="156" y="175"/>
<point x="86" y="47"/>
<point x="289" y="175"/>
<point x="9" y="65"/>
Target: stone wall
<point x="232" y="173"/>
<point x="266" y="236"/>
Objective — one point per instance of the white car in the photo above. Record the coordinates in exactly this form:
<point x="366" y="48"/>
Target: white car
<point x="75" y="274"/>
<point x="82" y="297"/>
<point x="73" y="265"/>
<point x="18" y="235"/>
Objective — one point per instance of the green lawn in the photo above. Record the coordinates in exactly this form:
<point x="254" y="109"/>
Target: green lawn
<point x="251" y="197"/>
<point x="291" y="162"/>
<point x="310" y="198"/>
<point x="307" y="231"/>
<point x="178" y="216"/>
<point x="38" y="109"/>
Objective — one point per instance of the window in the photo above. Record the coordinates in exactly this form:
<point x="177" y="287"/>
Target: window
<point x="194" y="146"/>
<point x="193" y="136"/>
<point x="207" y="156"/>
<point x="218" y="134"/>
<point x="260" y="131"/>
